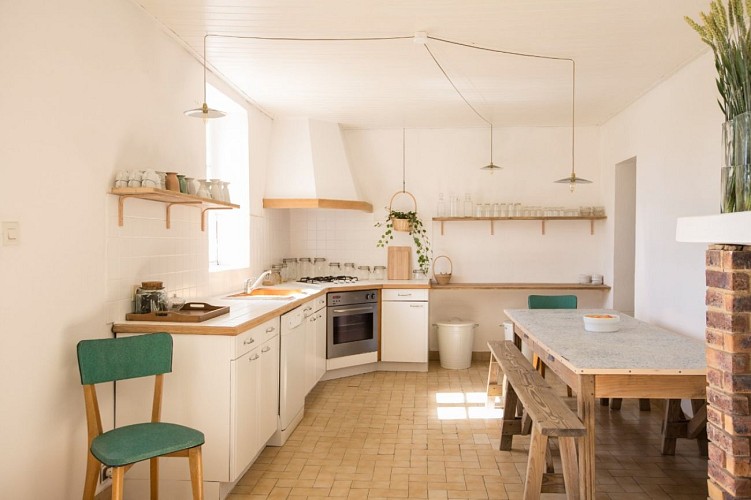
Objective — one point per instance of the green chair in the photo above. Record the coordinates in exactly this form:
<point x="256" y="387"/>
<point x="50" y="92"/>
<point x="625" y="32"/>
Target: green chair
<point x="552" y="302"/>
<point x="108" y="360"/>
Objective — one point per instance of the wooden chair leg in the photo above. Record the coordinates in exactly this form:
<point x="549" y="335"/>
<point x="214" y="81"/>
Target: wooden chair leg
<point x="569" y="392"/>
<point x="196" y="472"/>
<point x="92" y="474"/>
<point x="154" y="478"/>
<point x="549" y="465"/>
<point x="615" y="403"/>
<point x="118" y="474"/>
<point x="535" y="465"/>
<point x="570" y="466"/>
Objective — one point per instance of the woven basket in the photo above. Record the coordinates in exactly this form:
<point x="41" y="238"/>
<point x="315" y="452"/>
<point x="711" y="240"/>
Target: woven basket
<point x="402" y="224"/>
<point x="443" y="278"/>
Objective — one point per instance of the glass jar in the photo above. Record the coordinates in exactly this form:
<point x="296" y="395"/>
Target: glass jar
<point x="292" y="274"/>
<point x="418" y="274"/>
<point x="319" y="266"/>
<point x="334" y="269"/>
<point x="363" y="273"/>
<point x="150" y="297"/>
<point x="349" y="269"/>
<point x="379" y="272"/>
<point x="275" y="278"/>
<point x="305" y="267"/>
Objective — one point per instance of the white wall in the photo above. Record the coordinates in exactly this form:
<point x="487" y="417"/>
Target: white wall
<point x="449" y="161"/>
<point x="88" y="88"/>
<point x="674" y="133"/>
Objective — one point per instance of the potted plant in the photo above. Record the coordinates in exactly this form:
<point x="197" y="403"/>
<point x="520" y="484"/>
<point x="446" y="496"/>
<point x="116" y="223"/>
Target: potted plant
<point x="416" y="230"/>
<point x="727" y="30"/>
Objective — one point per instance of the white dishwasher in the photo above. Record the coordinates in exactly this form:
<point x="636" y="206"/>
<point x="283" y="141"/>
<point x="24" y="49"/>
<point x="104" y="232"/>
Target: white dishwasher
<point x="291" y="375"/>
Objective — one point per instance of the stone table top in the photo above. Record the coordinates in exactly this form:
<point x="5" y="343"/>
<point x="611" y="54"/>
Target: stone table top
<point x="636" y="348"/>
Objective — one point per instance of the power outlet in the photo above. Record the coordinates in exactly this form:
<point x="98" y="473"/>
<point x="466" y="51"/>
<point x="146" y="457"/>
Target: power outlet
<point x="105" y="474"/>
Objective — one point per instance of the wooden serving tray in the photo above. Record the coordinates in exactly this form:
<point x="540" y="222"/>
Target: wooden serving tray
<point x="192" y="312"/>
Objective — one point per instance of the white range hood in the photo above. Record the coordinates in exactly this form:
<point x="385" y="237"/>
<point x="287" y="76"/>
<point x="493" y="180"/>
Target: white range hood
<point x="308" y="167"/>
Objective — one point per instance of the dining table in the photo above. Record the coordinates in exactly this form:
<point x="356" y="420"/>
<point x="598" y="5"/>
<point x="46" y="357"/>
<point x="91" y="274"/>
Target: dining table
<point x="639" y="360"/>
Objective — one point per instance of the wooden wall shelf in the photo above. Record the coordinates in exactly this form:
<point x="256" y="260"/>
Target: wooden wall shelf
<point x="518" y="286"/>
<point x="169" y="198"/>
<point x="542" y="220"/>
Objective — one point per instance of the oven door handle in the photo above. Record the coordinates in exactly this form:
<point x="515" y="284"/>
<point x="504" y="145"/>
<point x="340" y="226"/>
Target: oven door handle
<point x="353" y="310"/>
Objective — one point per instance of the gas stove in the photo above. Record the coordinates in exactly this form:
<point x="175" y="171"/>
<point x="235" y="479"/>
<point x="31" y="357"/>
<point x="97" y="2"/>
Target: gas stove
<point x="327" y="279"/>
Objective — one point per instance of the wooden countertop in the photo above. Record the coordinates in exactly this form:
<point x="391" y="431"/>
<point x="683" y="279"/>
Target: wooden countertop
<point x="518" y="286"/>
<point x="245" y="314"/>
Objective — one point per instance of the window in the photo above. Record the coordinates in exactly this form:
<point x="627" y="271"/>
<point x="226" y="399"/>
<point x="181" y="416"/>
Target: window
<point x="227" y="147"/>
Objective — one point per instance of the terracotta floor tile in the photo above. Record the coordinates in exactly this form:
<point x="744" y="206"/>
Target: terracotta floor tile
<point x="379" y="435"/>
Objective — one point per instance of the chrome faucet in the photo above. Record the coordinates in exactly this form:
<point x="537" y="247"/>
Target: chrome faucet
<point x="251" y="285"/>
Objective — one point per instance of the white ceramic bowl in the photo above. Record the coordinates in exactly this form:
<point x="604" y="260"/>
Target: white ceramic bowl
<point x="601" y="322"/>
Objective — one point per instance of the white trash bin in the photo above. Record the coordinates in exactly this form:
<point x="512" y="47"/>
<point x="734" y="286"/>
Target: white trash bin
<point x="455" y="340"/>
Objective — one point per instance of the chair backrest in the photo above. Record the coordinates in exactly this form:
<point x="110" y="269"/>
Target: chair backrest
<point x="106" y="360"/>
<point x="552" y="302"/>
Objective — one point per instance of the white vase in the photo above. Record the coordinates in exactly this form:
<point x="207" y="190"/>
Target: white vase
<point x="192" y="185"/>
<point x="203" y="189"/>
<point x="225" y="191"/>
<point x="216" y="189"/>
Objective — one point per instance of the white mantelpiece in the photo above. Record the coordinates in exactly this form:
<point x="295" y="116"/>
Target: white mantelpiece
<point x="734" y="228"/>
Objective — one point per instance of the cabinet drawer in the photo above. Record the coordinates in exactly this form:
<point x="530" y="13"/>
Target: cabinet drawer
<point x="319" y="303"/>
<point x="405" y="294"/>
<point x="254" y="337"/>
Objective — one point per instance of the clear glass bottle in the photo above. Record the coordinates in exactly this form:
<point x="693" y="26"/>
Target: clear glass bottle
<point x="349" y="269"/>
<point x="335" y="269"/>
<point x="363" y="273"/>
<point x="305" y="267"/>
<point x="468" y="205"/>
<point x="441" y="208"/>
<point x="319" y="266"/>
<point x="291" y="269"/>
<point x="150" y="297"/>
<point x="379" y="273"/>
<point x="454" y="210"/>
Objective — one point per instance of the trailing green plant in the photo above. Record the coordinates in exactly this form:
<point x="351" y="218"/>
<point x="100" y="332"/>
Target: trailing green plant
<point x="416" y="230"/>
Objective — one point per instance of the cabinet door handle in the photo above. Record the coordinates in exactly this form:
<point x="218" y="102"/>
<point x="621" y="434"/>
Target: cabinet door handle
<point x="307" y="309"/>
<point x="417" y="305"/>
<point x="403" y="294"/>
<point x="270" y="329"/>
<point x="254" y="357"/>
<point x="249" y="341"/>
<point x="265" y="349"/>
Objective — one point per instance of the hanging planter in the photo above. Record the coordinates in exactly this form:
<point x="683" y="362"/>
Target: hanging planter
<point x="402" y="221"/>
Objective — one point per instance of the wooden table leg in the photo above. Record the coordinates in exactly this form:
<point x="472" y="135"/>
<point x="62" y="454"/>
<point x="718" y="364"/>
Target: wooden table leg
<point x="673" y="426"/>
<point x="585" y="404"/>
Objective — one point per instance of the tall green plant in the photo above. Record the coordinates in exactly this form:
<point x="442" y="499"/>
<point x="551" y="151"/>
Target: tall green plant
<point x="726" y="31"/>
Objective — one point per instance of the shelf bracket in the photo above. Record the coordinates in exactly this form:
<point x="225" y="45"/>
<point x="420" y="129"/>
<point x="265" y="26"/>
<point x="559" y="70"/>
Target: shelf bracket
<point x="492" y="227"/>
<point x="591" y="227"/>
<point x="543" y="226"/>
<point x="441" y="228"/>
<point x="203" y="215"/>
<point x="168" y="221"/>
<point x="120" y="204"/>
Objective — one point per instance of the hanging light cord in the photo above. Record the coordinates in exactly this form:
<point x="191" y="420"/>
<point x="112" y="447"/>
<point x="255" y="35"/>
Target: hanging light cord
<point x="404" y="162"/>
<point x="444" y="40"/>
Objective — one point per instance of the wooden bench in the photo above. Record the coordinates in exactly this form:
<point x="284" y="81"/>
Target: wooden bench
<point x="549" y="416"/>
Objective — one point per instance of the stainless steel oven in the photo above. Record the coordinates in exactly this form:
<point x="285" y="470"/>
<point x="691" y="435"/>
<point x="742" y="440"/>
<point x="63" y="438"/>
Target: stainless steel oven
<point x="352" y="323"/>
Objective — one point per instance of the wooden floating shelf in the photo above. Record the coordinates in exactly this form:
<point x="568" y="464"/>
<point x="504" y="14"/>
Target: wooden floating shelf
<point x="543" y="220"/>
<point x="362" y="206"/>
<point x="169" y="198"/>
<point x="518" y="286"/>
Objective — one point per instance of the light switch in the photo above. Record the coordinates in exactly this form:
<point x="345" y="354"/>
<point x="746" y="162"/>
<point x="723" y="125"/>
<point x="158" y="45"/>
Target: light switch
<point x="11" y="233"/>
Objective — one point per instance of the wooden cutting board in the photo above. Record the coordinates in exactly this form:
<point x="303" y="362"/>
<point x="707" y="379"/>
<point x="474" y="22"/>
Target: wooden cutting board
<point x="399" y="263"/>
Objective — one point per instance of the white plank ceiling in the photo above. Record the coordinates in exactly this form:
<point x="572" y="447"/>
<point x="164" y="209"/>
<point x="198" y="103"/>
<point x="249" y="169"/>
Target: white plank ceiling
<point x="621" y="49"/>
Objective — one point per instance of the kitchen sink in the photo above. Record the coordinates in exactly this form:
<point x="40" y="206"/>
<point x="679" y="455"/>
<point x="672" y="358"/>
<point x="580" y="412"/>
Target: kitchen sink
<point x="269" y="294"/>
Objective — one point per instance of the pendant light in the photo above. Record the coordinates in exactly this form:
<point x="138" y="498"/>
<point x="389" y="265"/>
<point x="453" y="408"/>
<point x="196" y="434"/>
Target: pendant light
<point x="573" y="180"/>
<point x="204" y="112"/>
<point x="491" y="166"/>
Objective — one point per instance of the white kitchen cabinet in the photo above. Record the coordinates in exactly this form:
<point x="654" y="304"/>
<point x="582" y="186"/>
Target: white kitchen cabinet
<point x="404" y="325"/>
<point x="224" y="386"/>
<point x="315" y="345"/>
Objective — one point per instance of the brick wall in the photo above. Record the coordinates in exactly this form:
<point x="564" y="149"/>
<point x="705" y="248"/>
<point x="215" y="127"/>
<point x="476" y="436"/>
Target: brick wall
<point x="728" y="338"/>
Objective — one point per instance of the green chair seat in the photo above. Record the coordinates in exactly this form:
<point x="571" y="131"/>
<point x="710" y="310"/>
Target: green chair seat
<point x="133" y="443"/>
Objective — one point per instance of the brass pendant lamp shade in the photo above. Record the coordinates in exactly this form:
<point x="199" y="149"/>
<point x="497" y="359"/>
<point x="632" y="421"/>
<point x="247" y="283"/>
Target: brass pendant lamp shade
<point x="491" y="167"/>
<point x="572" y="180"/>
<point x="204" y="112"/>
